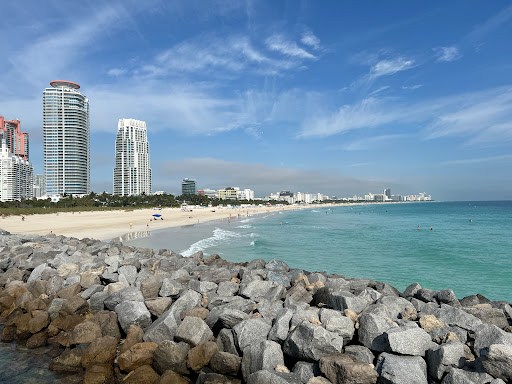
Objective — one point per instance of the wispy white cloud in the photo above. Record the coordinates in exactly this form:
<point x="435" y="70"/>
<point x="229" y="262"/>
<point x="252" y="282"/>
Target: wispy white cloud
<point x="477" y="160"/>
<point x="390" y="67"/>
<point x="412" y="87"/>
<point x="279" y="43"/>
<point x="447" y="54"/>
<point x="117" y="72"/>
<point x="474" y="117"/>
<point x="379" y="90"/>
<point x="482" y="30"/>
<point x="308" y="38"/>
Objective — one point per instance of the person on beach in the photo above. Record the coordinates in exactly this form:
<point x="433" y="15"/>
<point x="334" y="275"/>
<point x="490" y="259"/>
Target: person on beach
<point x="418" y="227"/>
<point x="131" y="225"/>
<point x="22" y="218"/>
<point x="430" y="228"/>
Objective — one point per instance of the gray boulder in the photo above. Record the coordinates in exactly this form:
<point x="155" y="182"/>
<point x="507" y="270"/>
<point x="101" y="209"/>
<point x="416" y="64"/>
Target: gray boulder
<point x="193" y="331"/>
<point x="170" y="288"/>
<point x="226" y="341"/>
<point x="277" y="265"/>
<point x="126" y="294"/>
<point x="216" y="276"/>
<point x="231" y="317"/>
<point x="257" y="290"/>
<point x="171" y="356"/>
<point x="269" y="309"/>
<point x="250" y="331"/>
<point x="97" y="300"/>
<point x="342" y="326"/>
<point x="150" y="287"/>
<point x="227" y="288"/>
<point x="158" y="305"/>
<point x="441" y="359"/>
<point x="95" y="288"/>
<point x="408" y="341"/>
<point x="372" y="328"/>
<point x="310" y="342"/>
<point x="188" y="299"/>
<point x="341" y="301"/>
<point x="265" y="355"/>
<point x="37" y="272"/>
<point x="164" y="328"/>
<point x="360" y="352"/>
<point x="497" y="361"/>
<point x="488" y="334"/>
<point x="401" y="369"/>
<point x="459" y="376"/>
<point x="456" y="317"/>
<point x="132" y="313"/>
<point x="281" y="326"/>
<point x="493" y="316"/>
<point x="306" y="371"/>
<point x="310" y="314"/>
<point x="268" y="377"/>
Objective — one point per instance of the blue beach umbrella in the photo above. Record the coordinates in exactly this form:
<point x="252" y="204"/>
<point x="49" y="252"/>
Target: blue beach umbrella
<point x="157" y="215"/>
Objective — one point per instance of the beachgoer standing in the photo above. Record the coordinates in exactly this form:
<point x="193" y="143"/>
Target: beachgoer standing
<point x="131" y="225"/>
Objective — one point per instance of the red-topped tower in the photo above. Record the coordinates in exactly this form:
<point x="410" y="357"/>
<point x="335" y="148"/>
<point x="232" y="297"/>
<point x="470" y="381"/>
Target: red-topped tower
<point x="17" y="141"/>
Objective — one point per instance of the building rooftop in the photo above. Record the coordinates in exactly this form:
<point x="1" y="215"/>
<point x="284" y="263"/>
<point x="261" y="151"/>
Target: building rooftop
<point x="64" y="83"/>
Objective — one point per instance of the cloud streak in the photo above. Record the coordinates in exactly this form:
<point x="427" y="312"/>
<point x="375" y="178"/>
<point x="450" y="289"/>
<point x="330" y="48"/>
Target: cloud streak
<point x="390" y="67"/>
<point x="447" y="54"/>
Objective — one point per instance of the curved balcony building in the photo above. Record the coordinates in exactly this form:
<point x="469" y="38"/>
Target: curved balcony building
<point x="66" y="139"/>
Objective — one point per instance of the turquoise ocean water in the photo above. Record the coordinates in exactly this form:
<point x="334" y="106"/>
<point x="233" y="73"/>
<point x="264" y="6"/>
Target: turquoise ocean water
<point x="381" y="242"/>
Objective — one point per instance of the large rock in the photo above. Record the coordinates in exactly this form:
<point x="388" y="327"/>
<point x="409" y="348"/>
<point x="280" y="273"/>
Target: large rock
<point x="88" y="279"/>
<point x="342" y="300"/>
<point x="408" y="341"/>
<point x="310" y="342"/>
<point x="94" y="288"/>
<point x="133" y="312"/>
<point x="265" y="355"/>
<point x="360" y="352"/>
<point x="226" y="341"/>
<point x="150" y="287"/>
<point x="225" y="363"/>
<point x="129" y="272"/>
<point x="493" y="316"/>
<point x="193" y="331"/>
<point x="96" y="301"/>
<point x="142" y="375"/>
<point x="257" y="290"/>
<point x="107" y="321"/>
<point x="100" y="351"/>
<point x="126" y="294"/>
<point x="228" y="288"/>
<point x="138" y="355"/>
<point x="157" y="306"/>
<point x="372" y="328"/>
<point x="442" y="358"/>
<point x="164" y="328"/>
<point x="343" y="368"/>
<point x="281" y="326"/>
<point x="488" y="334"/>
<point x="277" y="265"/>
<point x="171" y="355"/>
<point x="133" y="336"/>
<point x="251" y="331"/>
<point x="460" y="376"/>
<point x="69" y="361"/>
<point x="98" y="374"/>
<point x="200" y="355"/>
<point x="85" y="333"/>
<point x="401" y="369"/>
<point x="341" y="325"/>
<point x="39" y="322"/>
<point x="69" y="292"/>
<point x="231" y="317"/>
<point x="170" y="288"/>
<point x="188" y="299"/>
<point x="497" y="361"/>
<point x="36" y="273"/>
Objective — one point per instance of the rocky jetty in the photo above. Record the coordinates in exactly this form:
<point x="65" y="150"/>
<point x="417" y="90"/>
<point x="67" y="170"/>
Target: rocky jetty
<point x="119" y="314"/>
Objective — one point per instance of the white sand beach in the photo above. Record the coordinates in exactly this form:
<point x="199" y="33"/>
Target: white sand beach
<point x="105" y="225"/>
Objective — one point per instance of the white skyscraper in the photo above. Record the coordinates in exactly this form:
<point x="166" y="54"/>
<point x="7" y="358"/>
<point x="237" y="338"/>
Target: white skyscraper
<point x="66" y="139"/>
<point x="15" y="176"/>
<point x="132" y="175"/>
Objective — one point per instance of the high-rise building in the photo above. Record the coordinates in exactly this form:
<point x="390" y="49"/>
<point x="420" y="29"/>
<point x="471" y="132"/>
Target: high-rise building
<point x="17" y="141"/>
<point x="66" y="139"/>
<point x="132" y="175"/>
<point x="387" y="194"/>
<point x="188" y="187"/>
<point x="39" y="186"/>
<point x="15" y="175"/>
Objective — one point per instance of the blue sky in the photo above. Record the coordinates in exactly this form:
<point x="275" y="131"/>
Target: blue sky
<point x="312" y="96"/>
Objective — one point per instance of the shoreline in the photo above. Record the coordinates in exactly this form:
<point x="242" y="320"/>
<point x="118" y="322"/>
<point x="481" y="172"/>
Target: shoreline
<point x="107" y="225"/>
<point x="112" y="224"/>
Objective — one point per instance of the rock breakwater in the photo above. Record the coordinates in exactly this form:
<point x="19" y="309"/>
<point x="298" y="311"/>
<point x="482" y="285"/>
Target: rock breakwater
<point x="119" y="314"/>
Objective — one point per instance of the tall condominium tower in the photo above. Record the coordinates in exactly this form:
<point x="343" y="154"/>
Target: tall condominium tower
<point x="132" y="175"/>
<point x="16" y="141"/>
<point x="15" y="175"/>
<point x="66" y="139"/>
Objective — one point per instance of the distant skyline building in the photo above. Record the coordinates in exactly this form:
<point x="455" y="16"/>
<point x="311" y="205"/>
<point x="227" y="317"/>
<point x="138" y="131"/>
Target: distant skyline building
<point x="387" y="193"/>
<point x="17" y="141"/>
<point x="66" y="139"/>
<point x="39" y="186"/>
<point x="15" y="175"/>
<point x="188" y="187"/>
<point x="132" y="173"/>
